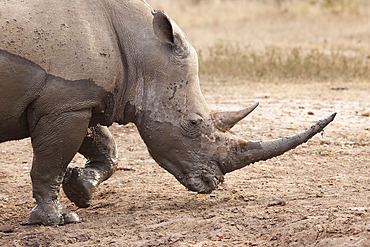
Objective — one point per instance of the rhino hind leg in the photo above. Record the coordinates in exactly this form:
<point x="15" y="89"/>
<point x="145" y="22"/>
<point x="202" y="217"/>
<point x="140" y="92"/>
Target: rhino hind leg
<point x="100" y="149"/>
<point x="55" y="141"/>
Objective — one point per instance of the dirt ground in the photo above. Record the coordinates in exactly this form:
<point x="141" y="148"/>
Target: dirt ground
<point x="315" y="195"/>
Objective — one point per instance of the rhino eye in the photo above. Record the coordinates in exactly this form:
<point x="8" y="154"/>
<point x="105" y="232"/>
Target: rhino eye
<point x="191" y="126"/>
<point x="193" y="122"/>
<point x="195" y="119"/>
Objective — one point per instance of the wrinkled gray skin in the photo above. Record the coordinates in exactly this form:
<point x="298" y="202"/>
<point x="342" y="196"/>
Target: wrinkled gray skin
<point x="70" y="68"/>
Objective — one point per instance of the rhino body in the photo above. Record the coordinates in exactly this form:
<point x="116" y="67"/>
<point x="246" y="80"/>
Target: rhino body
<point x="68" y="69"/>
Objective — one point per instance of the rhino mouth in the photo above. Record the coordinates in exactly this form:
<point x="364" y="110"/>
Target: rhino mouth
<point x="202" y="179"/>
<point x="203" y="184"/>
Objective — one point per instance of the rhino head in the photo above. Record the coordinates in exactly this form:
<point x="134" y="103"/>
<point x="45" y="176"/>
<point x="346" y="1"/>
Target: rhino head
<point x="181" y="132"/>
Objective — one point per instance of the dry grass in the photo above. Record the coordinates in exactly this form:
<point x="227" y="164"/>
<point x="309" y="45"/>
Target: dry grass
<point x="276" y="64"/>
<point x="290" y="40"/>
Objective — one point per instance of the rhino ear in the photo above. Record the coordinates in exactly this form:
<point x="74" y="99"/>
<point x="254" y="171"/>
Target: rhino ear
<point x="162" y="27"/>
<point x="167" y="31"/>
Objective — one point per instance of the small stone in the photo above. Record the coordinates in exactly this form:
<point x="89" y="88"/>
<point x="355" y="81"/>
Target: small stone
<point x="277" y="203"/>
<point x="7" y="228"/>
<point x="366" y="114"/>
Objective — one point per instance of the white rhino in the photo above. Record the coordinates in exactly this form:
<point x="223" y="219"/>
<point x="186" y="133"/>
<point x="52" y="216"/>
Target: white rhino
<point x="68" y="69"/>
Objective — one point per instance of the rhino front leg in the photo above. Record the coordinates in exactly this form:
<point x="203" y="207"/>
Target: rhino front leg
<point x="55" y="141"/>
<point x="100" y="149"/>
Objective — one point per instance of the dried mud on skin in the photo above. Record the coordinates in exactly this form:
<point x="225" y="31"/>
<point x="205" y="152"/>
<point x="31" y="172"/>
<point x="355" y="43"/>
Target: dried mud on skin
<point x="315" y="195"/>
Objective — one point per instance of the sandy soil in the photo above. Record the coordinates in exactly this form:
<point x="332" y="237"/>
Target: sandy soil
<point x="315" y="195"/>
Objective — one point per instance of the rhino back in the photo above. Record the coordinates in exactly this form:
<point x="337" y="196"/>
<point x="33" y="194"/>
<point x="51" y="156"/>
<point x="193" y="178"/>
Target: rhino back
<point x="73" y="40"/>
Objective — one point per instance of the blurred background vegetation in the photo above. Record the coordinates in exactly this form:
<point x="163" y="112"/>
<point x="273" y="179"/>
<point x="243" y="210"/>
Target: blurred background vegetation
<point x="276" y="40"/>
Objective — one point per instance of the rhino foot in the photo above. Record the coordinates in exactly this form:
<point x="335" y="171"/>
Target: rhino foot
<point x="79" y="184"/>
<point x="51" y="214"/>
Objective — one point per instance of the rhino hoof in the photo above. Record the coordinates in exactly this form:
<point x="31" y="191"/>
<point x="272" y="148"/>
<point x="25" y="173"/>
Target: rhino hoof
<point x="52" y="214"/>
<point x="78" y="185"/>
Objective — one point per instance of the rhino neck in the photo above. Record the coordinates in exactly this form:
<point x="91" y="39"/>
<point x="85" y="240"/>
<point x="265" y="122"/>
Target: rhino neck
<point x="132" y="25"/>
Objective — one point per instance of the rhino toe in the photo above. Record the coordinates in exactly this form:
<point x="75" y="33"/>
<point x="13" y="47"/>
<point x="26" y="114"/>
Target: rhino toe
<point x="70" y="217"/>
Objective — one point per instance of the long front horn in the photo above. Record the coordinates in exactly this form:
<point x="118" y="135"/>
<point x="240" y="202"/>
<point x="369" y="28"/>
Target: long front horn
<point x="224" y="121"/>
<point x="242" y="153"/>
